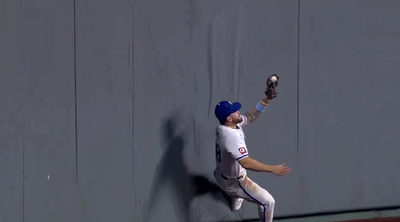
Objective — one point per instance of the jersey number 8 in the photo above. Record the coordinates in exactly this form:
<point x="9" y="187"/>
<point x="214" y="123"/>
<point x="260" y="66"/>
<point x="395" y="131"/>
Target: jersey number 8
<point x="217" y="152"/>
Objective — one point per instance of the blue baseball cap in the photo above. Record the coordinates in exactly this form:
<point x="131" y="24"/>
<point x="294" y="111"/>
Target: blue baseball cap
<point x="225" y="108"/>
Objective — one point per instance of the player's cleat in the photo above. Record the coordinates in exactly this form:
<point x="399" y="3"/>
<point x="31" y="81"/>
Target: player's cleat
<point x="237" y="203"/>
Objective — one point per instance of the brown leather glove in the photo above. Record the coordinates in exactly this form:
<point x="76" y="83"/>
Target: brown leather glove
<point x="271" y="92"/>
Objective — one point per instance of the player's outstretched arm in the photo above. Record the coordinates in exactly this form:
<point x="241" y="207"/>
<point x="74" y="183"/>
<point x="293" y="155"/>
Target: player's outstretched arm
<point x="253" y="165"/>
<point x="270" y="94"/>
<point x="254" y="113"/>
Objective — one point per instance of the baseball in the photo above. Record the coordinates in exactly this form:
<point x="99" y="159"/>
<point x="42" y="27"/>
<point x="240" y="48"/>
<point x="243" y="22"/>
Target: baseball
<point x="273" y="78"/>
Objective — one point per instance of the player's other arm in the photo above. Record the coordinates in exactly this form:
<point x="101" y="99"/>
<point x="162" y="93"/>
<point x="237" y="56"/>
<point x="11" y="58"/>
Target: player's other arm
<point x="253" y="165"/>
<point x="242" y="156"/>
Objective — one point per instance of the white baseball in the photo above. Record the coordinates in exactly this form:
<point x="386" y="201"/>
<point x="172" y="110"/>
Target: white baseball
<point x="273" y="78"/>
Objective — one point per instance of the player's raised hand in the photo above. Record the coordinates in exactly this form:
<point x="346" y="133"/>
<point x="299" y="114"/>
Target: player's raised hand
<point x="281" y="170"/>
<point x="272" y="83"/>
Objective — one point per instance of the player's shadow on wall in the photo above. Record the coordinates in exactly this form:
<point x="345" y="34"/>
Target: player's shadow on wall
<point x="184" y="185"/>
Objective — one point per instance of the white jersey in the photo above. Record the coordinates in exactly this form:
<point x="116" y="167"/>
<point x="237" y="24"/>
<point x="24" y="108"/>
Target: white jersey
<point x="230" y="147"/>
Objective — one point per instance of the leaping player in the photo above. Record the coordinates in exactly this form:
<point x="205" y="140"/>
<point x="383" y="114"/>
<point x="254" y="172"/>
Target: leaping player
<point x="232" y="155"/>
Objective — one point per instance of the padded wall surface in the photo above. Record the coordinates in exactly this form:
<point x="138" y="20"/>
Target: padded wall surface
<point x="104" y="109"/>
<point x="12" y="122"/>
<point x="197" y="54"/>
<point x="38" y="130"/>
<point x="49" y="149"/>
<point x="107" y="107"/>
<point x="349" y="111"/>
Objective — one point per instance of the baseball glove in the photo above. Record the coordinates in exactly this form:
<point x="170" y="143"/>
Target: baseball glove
<point x="270" y="92"/>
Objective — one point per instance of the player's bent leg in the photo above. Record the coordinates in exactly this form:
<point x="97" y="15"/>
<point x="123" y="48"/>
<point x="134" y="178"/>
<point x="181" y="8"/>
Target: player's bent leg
<point x="254" y="193"/>
<point x="230" y="189"/>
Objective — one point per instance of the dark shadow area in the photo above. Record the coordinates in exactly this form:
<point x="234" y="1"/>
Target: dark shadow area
<point x="184" y="186"/>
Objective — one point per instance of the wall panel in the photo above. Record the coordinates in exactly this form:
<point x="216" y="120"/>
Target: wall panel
<point x="349" y="110"/>
<point x="50" y="191"/>
<point x="197" y="54"/>
<point x="108" y="106"/>
<point x="12" y="114"/>
<point x="104" y="108"/>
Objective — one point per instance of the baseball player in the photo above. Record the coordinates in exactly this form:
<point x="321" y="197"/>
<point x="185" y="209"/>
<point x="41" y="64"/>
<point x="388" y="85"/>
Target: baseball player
<point x="233" y="159"/>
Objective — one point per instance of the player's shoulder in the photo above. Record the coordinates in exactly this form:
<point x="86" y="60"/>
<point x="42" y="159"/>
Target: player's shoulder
<point x="224" y="129"/>
<point x="227" y="131"/>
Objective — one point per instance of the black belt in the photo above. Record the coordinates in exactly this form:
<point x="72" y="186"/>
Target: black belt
<point x="226" y="178"/>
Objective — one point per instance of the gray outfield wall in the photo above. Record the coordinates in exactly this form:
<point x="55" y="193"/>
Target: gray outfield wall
<point x="106" y="105"/>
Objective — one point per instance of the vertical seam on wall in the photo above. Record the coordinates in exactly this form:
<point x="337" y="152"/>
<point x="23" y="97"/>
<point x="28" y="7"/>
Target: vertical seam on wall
<point x="76" y="102"/>
<point x="298" y="78"/>
<point x="23" y="179"/>
<point x="23" y="113"/>
<point x="133" y="107"/>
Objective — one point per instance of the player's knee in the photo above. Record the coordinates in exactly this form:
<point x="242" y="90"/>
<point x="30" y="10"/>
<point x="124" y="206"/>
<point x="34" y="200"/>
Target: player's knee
<point x="272" y="201"/>
<point x="269" y="201"/>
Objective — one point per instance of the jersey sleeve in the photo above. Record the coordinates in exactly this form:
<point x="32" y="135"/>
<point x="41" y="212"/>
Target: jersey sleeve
<point x="237" y="148"/>
<point x="244" y="122"/>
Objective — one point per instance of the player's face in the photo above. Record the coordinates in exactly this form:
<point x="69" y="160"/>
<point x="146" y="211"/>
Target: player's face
<point x="235" y="117"/>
